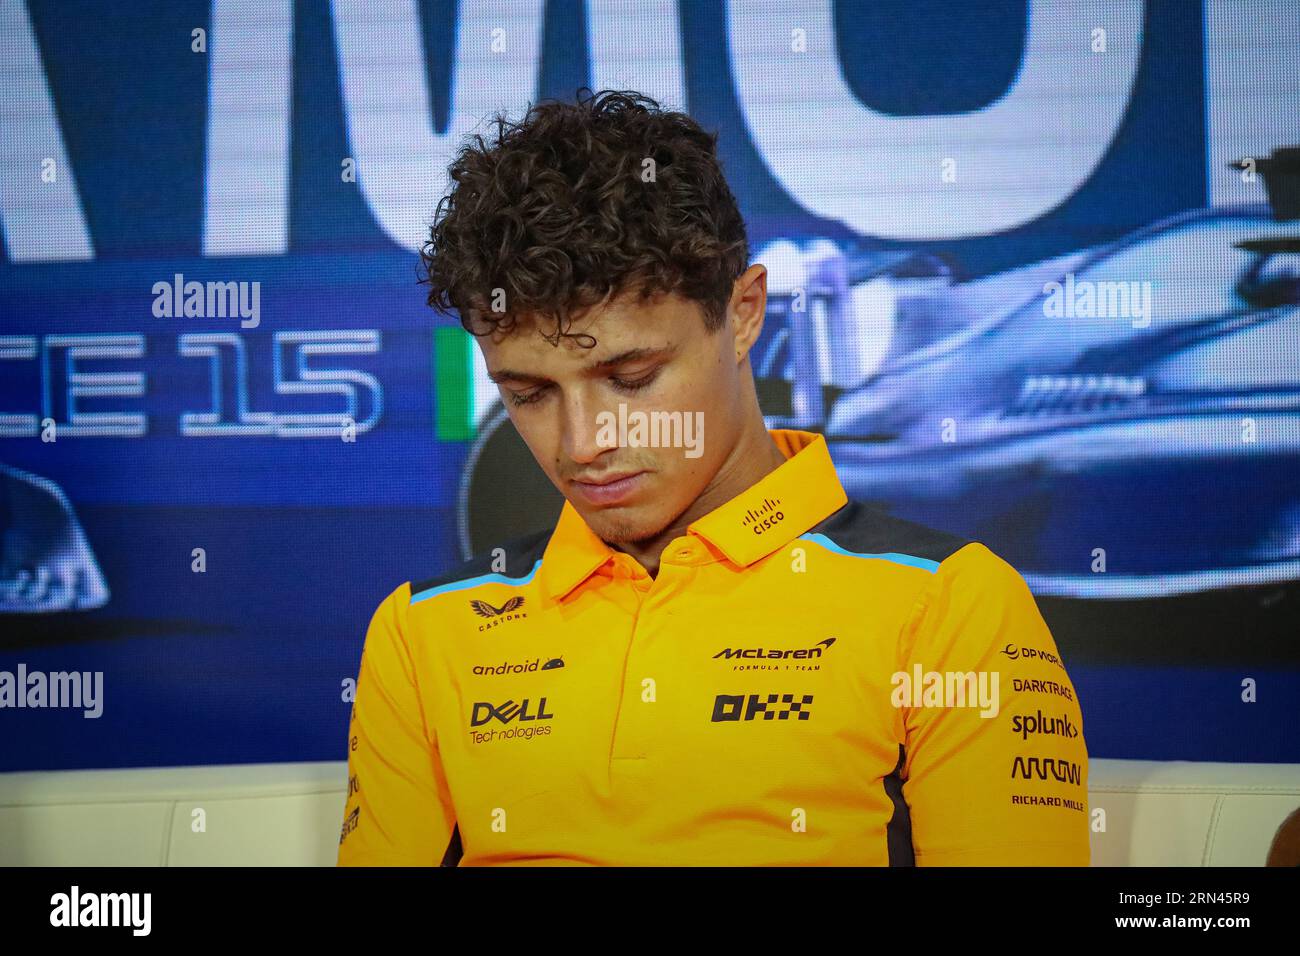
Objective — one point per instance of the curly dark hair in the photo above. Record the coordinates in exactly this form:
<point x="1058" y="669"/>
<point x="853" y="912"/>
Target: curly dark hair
<point x="555" y="216"/>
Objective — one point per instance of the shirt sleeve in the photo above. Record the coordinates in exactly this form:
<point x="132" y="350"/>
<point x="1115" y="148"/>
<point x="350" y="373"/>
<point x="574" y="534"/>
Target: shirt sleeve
<point x="399" y="810"/>
<point x="1002" y="785"/>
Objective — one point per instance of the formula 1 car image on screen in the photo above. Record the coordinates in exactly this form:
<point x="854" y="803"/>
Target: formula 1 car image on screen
<point x="46" y="563"/>
<point x="1122" y="421"/>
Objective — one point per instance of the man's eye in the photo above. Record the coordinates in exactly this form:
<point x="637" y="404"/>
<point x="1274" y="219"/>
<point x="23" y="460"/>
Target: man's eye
<point x="633" y="385"/>
<point x="526" y="398"/>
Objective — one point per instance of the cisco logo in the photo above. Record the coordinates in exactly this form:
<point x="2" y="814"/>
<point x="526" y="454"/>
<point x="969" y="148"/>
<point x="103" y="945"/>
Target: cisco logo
<point x="765" y="517"/>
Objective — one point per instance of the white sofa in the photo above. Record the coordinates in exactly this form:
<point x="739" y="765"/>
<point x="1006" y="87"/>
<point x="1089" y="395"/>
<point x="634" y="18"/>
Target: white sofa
<point x="1157" y="814"/>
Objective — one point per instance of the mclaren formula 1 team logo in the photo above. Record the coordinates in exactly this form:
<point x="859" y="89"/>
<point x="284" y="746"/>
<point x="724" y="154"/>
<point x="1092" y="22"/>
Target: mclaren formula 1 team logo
<point x="772" y="659"/>
<point x="498" y="615"/>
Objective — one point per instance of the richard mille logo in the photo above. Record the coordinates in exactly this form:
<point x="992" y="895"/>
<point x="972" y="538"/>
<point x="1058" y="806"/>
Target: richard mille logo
<point x="498" y="615"/>
<point x="773" y="659"/>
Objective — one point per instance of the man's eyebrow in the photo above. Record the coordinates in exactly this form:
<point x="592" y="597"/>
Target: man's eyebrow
<point x="630" y="355"/>
<point x="510" y="375"/>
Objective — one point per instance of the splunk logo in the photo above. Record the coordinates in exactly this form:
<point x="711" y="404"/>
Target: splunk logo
<point x="730" y="707"/>
<point x="1041" y="724"/>
<point x="506" y="713"/>
<point x="208" y="300"/>
<point x="765" y="517"/>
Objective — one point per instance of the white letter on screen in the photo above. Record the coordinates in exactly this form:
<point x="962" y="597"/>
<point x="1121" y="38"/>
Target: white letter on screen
<point x="1016" y="158"/>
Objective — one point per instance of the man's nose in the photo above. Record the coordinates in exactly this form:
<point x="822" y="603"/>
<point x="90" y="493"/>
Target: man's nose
<point x="582" y="427"/>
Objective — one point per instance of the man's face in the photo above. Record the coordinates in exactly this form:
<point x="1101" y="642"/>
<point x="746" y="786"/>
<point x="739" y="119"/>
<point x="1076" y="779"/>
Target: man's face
<point x="653" y="357"/>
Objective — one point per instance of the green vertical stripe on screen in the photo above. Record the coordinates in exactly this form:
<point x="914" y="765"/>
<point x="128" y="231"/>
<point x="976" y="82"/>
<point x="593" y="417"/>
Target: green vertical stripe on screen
<point x="453" y="388"/>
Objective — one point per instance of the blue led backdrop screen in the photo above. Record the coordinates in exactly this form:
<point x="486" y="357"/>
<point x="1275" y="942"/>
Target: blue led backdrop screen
<point x="1034" y="271"/>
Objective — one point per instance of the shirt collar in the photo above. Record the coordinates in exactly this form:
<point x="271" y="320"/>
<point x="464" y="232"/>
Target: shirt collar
<point x="794" y="497"/>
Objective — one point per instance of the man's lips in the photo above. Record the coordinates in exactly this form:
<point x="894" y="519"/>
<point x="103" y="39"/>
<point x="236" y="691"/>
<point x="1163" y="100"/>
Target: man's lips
<point x="611" y="488"/>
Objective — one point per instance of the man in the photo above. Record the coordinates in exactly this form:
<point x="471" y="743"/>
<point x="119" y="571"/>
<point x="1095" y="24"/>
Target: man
<point x="714" y="658"/>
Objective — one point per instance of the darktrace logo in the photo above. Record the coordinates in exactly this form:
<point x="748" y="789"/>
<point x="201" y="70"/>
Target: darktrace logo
<point x="728" y="707"/>
<point x="1041" y="724"/>
<point x="526" y="667"/>
<point x="1033" y="686"/>
<point x="1046" y="768"/>
<point x="498" y="615"/>
<point x="765" y="517"/>
<point x="772" y="659"/>
<point x="1015" y="653"/>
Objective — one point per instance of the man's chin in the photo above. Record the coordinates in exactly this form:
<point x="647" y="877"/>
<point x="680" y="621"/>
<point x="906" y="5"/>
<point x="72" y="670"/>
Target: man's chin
<point x="623" y="526"/>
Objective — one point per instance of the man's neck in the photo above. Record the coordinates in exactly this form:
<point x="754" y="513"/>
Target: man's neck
<point x="754" y="457"/>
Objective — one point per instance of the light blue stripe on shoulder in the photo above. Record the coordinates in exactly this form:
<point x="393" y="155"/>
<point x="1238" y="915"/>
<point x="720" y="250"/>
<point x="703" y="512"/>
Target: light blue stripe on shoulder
<point x="910" y="560"/>
<point x="473" y="583"/>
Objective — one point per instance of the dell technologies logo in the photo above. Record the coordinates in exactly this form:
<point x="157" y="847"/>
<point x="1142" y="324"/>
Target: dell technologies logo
<point x="485" y="711"/>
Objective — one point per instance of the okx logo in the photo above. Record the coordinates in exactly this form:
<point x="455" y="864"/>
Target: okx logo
<point x="507" y="712"/>
<point x="771" y="706"/>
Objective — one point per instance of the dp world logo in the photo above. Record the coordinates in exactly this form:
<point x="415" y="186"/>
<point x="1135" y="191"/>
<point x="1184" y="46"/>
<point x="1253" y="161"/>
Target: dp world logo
<point x="1030" y="653"/>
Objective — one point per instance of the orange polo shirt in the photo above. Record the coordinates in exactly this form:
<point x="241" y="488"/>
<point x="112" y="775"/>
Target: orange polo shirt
<point x="807" y="681"/>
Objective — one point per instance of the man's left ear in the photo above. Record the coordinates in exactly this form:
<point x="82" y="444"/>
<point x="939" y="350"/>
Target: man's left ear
<point x="749" y="305"/>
